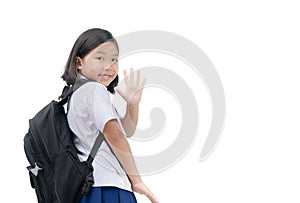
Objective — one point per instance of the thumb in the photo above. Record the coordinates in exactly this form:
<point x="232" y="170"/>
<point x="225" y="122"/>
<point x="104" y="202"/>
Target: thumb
<point x="120" y="92"/>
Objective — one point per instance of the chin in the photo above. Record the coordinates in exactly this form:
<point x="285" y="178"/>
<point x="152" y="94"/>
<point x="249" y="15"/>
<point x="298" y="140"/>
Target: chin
<point x="105" y="83"/>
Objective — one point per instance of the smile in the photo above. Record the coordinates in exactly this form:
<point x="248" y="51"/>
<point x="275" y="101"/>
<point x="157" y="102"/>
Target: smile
<point x="104" y="76"/>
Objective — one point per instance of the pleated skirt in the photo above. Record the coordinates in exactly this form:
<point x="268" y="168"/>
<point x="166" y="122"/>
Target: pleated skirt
<point x="109" y="195"/>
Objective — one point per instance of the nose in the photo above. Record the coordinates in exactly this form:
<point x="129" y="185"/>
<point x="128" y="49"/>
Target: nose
<point x="108" y="65"/>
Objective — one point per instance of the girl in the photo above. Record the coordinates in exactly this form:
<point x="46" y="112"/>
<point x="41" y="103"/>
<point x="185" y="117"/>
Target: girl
<point x="94" y="56"/>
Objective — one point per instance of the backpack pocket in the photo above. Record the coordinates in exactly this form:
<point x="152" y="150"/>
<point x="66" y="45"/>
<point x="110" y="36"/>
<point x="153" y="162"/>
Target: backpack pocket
<point x="35" y="182"/>
<point x="41" y="177"/>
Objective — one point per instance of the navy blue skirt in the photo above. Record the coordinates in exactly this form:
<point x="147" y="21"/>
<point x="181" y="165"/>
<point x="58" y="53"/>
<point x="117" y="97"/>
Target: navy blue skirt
<point x="109" y="195"/>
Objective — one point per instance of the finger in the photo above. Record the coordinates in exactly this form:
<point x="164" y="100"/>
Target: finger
<point x="120" y="92"/>
<point x="146" y="191"/>
<point x="138" y="73"/>
<point x="141" y="87"/>
<point x="125" y="77"/>
<point x="131" y="75"/>
<point x="151" y="196"/>
<point x="143" y="83"/>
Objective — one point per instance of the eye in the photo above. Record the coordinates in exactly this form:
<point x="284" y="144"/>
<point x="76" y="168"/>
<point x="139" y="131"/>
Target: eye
<point x="100" y="58"/>
<point x="115" y="60"/>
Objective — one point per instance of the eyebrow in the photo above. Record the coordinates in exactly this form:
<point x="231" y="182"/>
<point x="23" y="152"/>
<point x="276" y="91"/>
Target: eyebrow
<point x="104" y="53"/>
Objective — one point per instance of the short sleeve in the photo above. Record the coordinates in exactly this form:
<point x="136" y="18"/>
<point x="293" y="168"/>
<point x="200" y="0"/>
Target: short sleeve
<point x="101" y="109"/>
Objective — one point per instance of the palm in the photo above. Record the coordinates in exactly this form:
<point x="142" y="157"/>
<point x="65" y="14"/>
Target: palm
<point x="134" y="89"/>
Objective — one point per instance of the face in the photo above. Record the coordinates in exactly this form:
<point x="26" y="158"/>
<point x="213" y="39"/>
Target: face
<point x="101" y="64"/>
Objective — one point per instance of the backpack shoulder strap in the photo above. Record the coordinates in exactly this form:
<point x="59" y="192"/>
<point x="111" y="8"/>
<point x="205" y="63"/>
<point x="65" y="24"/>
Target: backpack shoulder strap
<point x="95" y="148"/>
<point x="68" y="90"/>
<point x="64" y="97"/>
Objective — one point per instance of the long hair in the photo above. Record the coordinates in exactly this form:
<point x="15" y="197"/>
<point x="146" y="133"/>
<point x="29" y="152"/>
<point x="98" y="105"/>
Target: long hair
<point x="85" y="43"/>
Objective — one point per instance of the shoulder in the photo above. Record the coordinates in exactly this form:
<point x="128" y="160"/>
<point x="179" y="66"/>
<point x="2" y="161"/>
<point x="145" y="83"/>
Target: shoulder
<point x="90" y="93"/>
<point x="92" y="88"/>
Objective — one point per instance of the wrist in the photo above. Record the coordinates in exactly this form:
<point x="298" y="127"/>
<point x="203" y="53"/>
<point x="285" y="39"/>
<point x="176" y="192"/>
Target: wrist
<point x="132" y="104"/>
<point x="135" y="179"/>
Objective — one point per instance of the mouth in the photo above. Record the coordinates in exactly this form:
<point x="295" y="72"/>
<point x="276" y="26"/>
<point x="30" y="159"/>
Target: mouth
<point x="105" y="76"/>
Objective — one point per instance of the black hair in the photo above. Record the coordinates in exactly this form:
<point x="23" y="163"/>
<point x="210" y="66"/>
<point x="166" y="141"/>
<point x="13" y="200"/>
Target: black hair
<point x="86" y="42"/>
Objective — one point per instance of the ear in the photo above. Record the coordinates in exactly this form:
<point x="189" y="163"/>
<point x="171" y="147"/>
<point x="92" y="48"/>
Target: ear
<point x="79" y="63"/>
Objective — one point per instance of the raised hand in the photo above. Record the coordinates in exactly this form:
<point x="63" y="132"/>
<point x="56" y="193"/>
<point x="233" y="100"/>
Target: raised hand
<point x="134" y="89"/>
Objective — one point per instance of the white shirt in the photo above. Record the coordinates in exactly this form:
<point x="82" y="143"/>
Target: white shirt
<point x="90" y="108"/>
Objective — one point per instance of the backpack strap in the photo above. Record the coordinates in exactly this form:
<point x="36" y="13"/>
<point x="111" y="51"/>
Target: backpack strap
<point x="64" y="98"/>
<point x="95" y="149"/>
<point x="89" y="179"/>
<point x="68" y="90"/>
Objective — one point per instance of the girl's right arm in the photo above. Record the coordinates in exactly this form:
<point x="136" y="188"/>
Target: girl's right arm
<point x="121" y="148"/>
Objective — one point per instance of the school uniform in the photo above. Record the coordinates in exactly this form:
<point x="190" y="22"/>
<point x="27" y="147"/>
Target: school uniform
<point x="90" y="108"/>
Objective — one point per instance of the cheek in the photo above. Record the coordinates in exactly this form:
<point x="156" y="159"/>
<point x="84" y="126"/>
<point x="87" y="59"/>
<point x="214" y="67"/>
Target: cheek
<point x="91" y="68"/>
<point x="116" y="67"/>
<point x="88" y="71"/>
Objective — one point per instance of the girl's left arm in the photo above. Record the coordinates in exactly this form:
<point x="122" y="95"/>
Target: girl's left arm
<point x="132" y="95"/>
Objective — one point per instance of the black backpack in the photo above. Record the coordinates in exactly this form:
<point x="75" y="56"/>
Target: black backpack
<point x="56" y="173"/>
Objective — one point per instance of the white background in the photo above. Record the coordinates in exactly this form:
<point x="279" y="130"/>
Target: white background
<point x="255" y="47"/>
